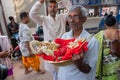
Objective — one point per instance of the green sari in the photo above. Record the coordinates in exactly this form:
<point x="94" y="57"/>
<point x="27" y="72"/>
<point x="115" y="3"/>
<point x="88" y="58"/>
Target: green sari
<point x="109" y="69"/>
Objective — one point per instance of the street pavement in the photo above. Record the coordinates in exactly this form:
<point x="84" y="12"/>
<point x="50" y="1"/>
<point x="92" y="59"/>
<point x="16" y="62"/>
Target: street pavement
<point x="19" y="73"/>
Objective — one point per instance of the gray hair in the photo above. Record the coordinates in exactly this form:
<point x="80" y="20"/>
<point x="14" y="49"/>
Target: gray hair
<point x="82" y="9"/>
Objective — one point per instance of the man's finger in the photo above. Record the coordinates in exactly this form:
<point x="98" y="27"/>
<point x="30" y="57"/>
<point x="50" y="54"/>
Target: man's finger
<point x="81" y="55"/>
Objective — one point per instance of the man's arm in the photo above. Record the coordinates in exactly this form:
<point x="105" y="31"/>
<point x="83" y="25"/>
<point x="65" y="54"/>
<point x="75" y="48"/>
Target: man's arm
<point x="78" y="61"/>
<point x="67" y="4"/>
<point x="34" y="12"/>
<point x="3" y="54"/>
<point x="9" y="29"/>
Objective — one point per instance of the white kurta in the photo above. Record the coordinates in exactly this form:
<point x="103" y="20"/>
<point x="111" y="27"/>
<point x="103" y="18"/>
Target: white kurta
<point x="52" y="28"/>
<point x="71" y="72"/>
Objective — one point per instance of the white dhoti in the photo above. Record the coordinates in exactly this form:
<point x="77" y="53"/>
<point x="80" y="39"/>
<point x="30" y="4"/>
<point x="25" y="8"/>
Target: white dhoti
<point x="51" y="68"/>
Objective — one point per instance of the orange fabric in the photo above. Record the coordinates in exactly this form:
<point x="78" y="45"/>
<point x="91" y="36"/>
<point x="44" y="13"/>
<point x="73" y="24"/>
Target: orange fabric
<point x="33" y="62"/>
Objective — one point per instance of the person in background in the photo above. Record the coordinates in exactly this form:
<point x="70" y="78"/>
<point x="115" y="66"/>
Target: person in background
<point x="81" y="68"/>
<point x="108" y="64"/>
<point x="13" y="28"/>
<point x="111" y="13"/>
<point x="28" y="58"/>
<point x="53" y="25"/>
<point x="39" y="30"/>
<point x="102" y="22"/>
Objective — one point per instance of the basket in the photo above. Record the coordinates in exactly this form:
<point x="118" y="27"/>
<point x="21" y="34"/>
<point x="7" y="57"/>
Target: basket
<point x="61" y="63"/>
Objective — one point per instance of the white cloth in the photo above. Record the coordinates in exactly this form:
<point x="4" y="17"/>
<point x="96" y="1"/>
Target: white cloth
<point x="24" y="35"/>
<point x="71" y="72"/>
<point x="52" y="28"/>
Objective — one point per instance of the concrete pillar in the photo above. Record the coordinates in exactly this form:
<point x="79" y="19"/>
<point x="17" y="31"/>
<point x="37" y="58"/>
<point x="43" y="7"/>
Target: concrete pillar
<point x="2" y="21"/>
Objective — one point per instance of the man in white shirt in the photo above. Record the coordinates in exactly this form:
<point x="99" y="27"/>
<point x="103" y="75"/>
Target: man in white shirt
<point x="81" y="68"/>
<point x="53" y="24"/>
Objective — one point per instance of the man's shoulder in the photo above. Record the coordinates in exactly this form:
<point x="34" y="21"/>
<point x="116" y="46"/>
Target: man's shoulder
<point x="9" y="24"/>
<point x="23" y="26"/>
<point x="62" y="15"/>
<point x="66" y="34"/>
<point x="92" y="40"/>
<point x="93" y="37"/>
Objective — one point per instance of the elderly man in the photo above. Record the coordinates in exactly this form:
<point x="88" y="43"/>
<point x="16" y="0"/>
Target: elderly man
<point x="53" y="25"/>
<point x="81" y="68"/>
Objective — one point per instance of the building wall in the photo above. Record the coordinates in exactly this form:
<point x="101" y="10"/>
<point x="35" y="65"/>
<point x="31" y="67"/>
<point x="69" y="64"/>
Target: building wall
<point x="2" y="22"/>
<point x="14" y="8"/>
<point x="8" y="7"/>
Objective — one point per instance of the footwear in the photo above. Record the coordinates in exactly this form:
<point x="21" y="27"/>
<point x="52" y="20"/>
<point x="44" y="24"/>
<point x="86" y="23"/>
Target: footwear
<point x="28" y="71"/>
<point x="41" y="71"/>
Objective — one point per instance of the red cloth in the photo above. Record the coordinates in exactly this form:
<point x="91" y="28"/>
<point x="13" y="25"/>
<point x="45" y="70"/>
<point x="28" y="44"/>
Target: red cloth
<point x="64" y="52"/>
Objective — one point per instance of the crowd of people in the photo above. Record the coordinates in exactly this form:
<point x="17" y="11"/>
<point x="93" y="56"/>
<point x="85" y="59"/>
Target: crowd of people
<point x="100" y="62"/>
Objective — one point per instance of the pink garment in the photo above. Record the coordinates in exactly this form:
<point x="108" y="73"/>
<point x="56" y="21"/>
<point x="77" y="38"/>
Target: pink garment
<point x="4" y="43"/>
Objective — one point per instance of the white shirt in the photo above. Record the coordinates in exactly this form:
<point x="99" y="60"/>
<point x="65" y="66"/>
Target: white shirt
<point x="52" y="28"/>
<point x="24" y="35"/>
<point x="71" y="72"/>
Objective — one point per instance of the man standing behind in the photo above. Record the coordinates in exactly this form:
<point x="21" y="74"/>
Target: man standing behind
<point x="53" y="24"/>
<point x="28" y="58"/>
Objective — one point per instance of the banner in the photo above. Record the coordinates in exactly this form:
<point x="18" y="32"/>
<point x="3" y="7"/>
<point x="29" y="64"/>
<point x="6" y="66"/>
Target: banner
<point x="96" y="2"/>
<point x="109" y="2"/>
<point x="86" y="2"/>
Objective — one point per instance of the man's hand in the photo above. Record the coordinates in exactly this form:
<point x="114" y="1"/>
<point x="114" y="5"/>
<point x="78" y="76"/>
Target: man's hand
<point x="41" y="1"/>
<point x="31" y="54"/>
<point x="11" y="50"/>
<point x="77" y="57"/>
<point x="4" y="54"/>
<point x="78" y="61"/>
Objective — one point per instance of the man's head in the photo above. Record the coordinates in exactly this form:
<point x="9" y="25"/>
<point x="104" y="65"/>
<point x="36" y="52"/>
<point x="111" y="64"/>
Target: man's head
<point x="24" y="16"/>
<point x="76" y="17"/>
<point x="111" y="12"/>
<point x="11" y="19"/>
<point x="52" y="8"/>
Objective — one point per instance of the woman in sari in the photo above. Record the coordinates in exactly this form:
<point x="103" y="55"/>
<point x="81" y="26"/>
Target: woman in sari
<point x="108" y="64"/>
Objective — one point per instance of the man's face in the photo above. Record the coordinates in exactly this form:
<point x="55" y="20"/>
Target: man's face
<point x="12" y="20"/>
<point x="52" y="9"/>
<point x="27" y="19"/>
<point x="75" y="19"/>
